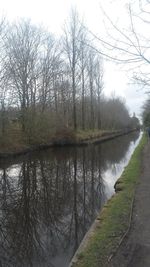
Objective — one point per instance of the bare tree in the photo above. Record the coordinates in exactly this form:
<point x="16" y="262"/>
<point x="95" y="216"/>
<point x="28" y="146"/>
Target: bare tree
<point x="91" y="67"/>
<point x="83" y="62"/>
<point x="99" y="87"/>
<point x="22" y="43"/>
<point x="128" y="44"/>
<point x="72" y="48"/>
<point x="4" y="99"/>
<point x="50" y="65"/>
<point x="46" y="74"/>
<point x="54" y="84"/>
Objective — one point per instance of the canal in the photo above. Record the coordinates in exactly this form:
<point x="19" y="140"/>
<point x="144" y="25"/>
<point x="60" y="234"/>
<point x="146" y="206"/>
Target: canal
<point x="49" y="199"/>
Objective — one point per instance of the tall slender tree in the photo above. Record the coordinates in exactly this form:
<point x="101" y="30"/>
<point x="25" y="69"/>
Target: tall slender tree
<point x="72" y="48"/>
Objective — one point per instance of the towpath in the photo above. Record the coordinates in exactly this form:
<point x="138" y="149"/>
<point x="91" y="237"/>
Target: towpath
<point x="135" y="248"/>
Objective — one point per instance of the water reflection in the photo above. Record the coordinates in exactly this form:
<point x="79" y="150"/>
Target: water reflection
<point x="48" y="200"/>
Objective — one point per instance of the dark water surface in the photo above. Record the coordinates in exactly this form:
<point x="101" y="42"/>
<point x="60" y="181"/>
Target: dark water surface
<point x="49" y="199"/>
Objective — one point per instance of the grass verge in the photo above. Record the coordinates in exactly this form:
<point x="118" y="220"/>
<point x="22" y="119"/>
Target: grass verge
<point x="113" y="221"/>
<point x="15" y="141"/>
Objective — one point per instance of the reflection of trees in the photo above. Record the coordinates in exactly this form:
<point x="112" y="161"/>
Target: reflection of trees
<point x="114" y="151"/>
<point x="50" y="203"/>
<point x="20" y="225"/>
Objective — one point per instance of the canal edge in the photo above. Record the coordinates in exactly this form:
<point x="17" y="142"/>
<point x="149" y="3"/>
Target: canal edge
<point x="62" y="143"/>
<point x="75" y="262"/>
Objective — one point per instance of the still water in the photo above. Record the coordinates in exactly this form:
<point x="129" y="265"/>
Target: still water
<point x="49" y="199"/>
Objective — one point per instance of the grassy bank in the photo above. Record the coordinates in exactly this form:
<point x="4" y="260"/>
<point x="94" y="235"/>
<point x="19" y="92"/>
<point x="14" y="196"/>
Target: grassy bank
<point x="92" y="134"/>
<point x="113" y="222"/>
<point x="16" y="142"/>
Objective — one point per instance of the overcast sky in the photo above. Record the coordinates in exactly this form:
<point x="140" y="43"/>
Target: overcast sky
<point x="53" y="13"/>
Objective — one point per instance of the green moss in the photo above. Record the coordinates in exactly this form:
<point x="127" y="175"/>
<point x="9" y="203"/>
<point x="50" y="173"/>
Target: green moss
<point x="115" y="216"/>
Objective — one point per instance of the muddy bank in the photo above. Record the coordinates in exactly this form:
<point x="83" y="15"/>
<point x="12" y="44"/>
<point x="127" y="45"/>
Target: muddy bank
<point x="64" y="142"/>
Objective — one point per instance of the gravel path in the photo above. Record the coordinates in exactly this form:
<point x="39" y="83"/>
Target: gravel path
<point x="135" y="249"/>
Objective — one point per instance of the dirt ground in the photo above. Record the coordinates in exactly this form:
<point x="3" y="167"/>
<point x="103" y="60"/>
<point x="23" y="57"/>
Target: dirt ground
<point x="135" y="248"/>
